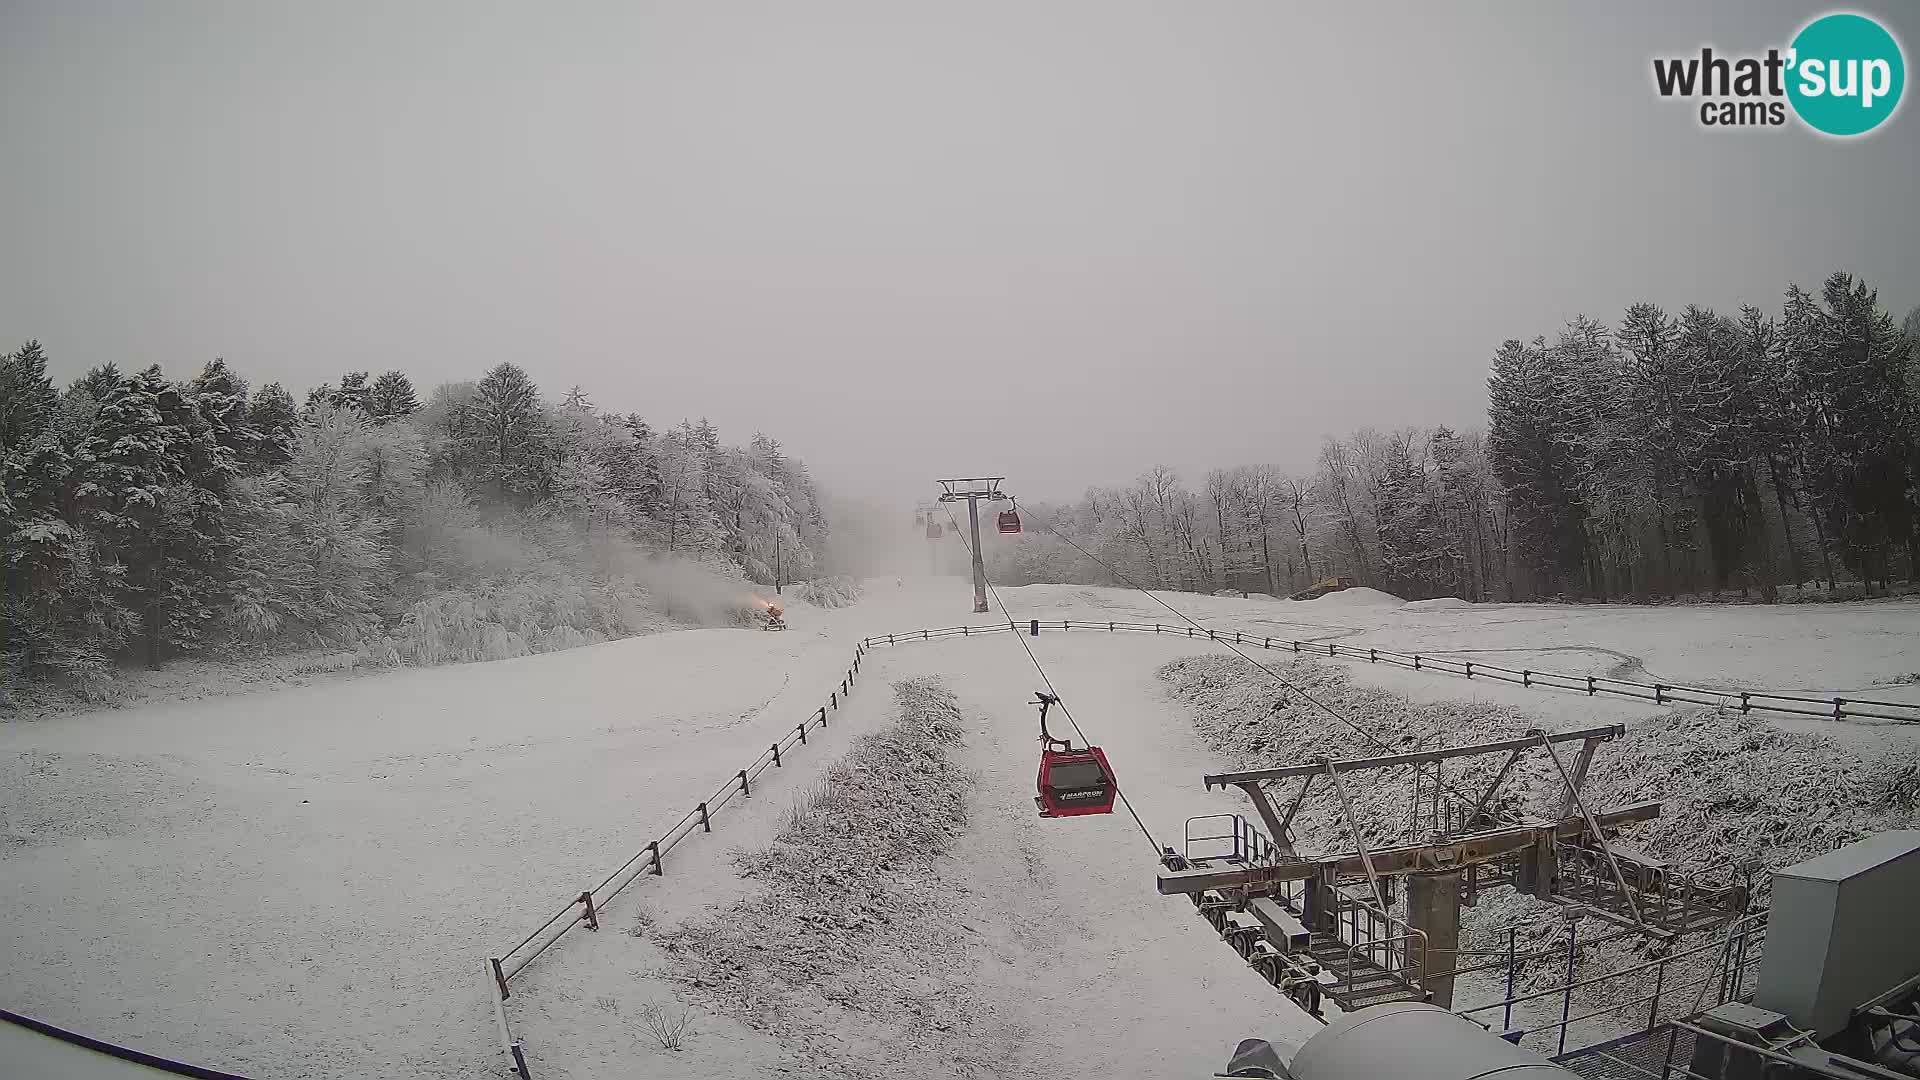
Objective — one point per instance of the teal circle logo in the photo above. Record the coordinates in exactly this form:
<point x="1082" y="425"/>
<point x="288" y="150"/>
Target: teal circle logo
<point x="1847" y="74"/>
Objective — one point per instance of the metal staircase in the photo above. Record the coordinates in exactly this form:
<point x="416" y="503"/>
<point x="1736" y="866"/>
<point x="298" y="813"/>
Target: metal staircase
<point x="1357" y="957"/>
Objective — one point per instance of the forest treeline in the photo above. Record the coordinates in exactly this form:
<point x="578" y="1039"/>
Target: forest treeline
<point x="145" y="517"/>
<point x="1663" y="455"/>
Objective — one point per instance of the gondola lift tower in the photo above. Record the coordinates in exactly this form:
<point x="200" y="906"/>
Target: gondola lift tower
<point x="971" y="490"/>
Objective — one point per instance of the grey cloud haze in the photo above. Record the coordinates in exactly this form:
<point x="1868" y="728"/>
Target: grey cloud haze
<point x="1060" y="241"/>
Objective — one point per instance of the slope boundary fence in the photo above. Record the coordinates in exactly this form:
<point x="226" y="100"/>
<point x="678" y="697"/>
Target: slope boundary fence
<point x="586" y="908"/>
<point x="1745" y="701"/>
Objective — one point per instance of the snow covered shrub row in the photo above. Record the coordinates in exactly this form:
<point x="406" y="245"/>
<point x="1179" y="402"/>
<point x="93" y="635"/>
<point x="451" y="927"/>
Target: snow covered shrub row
<point x="830" y="592"/>
<point x="1738" y="796"/>
<point x="849" y="912"/>
<point x="1735" y="789"/>
<point x="495" y="622"/>
<point x="1253" y="721"/>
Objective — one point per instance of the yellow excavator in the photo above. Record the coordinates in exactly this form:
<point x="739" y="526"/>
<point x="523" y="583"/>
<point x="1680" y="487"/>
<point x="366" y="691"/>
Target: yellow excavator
<point x="1323" y="587"/>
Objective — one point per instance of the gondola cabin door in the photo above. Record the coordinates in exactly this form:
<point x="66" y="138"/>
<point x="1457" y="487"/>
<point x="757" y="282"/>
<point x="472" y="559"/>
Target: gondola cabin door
<point x="1075" y="782"/>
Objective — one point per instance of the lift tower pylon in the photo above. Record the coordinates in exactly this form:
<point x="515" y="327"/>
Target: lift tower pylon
<point x="972" y="489"/>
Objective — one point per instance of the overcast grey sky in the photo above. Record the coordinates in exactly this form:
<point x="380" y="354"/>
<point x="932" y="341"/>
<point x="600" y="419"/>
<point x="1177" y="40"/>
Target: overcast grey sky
<point x="1059" y="241"/>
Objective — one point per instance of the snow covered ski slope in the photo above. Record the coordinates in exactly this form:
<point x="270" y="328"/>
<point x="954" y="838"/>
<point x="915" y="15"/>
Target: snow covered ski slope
<point x="301" y="882"/>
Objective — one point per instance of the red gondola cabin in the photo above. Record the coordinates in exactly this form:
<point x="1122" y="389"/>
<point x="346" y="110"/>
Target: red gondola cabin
<point x="1071" y="782"/>
<point x="1009" y="521"/>
<point x="933" y="529"/>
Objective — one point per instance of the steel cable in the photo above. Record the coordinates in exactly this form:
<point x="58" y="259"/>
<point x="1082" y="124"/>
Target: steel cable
<point x="1119" y="790"/>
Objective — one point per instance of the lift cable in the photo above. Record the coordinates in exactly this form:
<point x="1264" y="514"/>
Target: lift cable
<point x="1119" y="789"/>
<point x="1276" y="676"/>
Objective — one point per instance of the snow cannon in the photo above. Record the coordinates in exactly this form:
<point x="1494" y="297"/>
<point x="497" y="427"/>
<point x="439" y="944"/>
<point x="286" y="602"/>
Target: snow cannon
<point x="764" y="612"/>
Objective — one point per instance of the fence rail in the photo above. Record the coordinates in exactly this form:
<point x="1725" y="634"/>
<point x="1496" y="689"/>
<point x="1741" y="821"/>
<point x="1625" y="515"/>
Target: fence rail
<point x="1746" y="701"/>
<point x="585" y="909"/>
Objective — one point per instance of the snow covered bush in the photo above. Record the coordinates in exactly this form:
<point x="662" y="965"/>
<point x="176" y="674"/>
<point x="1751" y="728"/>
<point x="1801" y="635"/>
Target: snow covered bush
<point x="833" y="592"/>
<point x="1735" y="789"/>
<point x="668" y="1028"/>
<point x="850" y="912"/>
<point x="1254" y="721"/>
<point x="517" y="618"/>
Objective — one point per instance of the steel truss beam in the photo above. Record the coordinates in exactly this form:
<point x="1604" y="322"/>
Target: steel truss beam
<point x="1469" y="850"/>
<point x="1610" y="731"/>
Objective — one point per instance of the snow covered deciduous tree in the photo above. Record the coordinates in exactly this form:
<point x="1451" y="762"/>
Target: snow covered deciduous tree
<point x="505" y="433"/>
<point x="686" y="521"/>
<point x="315" y="556"/>
<point x="1418" y="556"/>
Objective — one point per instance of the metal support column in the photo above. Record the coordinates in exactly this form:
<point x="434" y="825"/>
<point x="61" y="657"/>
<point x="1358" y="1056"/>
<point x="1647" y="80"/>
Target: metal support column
<point x="979" y="566"/>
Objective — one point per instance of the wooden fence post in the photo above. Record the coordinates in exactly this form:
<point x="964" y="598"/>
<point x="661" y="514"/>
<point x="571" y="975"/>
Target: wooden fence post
<point x="499" y="978"/>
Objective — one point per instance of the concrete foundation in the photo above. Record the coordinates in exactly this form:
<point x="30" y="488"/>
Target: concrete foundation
<point x="1433" y="907"/>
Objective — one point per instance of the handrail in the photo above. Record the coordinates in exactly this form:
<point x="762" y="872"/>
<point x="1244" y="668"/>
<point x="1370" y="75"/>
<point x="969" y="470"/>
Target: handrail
<point x="1618" y="973"/>
<point x="1406" y="969"/>
<point x="1355" y="905"/>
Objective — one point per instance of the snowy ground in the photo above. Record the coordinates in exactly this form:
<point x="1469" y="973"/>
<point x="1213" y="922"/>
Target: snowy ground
<point x="301" y="882"/>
